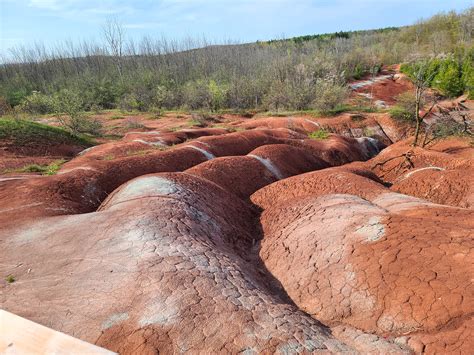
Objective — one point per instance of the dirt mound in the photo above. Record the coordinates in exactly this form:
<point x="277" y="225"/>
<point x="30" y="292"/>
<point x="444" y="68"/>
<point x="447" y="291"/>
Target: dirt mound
<point x="83" y="184"/>
<point x="243" y="175"/>
<point x="276" y="158"/>
<point x="379" y="126"/>
<point x="171" y="275"/>
<point x="138" y="143"/>
<point x="442" y="173"/>
<point x="171" y="138"/>
<point x="338" y="243"/>
<point x="449" y="187"/>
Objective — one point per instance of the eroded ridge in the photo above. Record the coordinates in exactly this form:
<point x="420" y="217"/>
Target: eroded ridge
<point x="350" y="252"/>
<point x="172" y="276"/>
<point x="86" y="181"/>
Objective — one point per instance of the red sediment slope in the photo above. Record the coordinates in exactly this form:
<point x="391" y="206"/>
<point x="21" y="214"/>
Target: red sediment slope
<point x="260" y="241"/>
<point x="379" y="126"/>
<point x="176" y="274"/>
<point x="444" y="173"/>
<point x="348" y="251"/>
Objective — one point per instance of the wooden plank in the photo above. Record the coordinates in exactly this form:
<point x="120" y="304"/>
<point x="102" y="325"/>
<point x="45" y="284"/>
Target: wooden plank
<point x="22" y="336"/>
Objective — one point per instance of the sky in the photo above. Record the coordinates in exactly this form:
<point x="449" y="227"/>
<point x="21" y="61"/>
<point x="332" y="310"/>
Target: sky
<point x="23" y="22"/>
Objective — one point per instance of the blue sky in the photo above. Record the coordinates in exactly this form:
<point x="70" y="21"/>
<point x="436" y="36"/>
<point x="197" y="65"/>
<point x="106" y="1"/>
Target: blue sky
<point x="52" y="21"/>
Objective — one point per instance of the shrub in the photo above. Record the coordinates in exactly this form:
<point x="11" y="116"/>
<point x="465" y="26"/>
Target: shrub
<point x="133" y="123"/>
<point x="468" y="75"/>
<point x="4" y="106"/>
<point x="38" y="103"/>
<point x="16" y="97"/>
<point x="197" y="95"/>
<point x="68" y="110"/>
<point x="218" y="95"/>
<point x="105" y="94"/>
<point x="96" y="109"/>
<point x="447" y="127"/>
<point x="202" y="119"/>
<point x="329" y="95"/>
<point x="447" y="75"/>
<point x="448" y="79"/>
<point x="405" y="108"/>
<point x="277" y="97"/>
<point x="400" y="114"/>
<point x="129" y="103"/>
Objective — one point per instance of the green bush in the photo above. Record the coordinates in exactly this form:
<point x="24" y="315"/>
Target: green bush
<point x="69" y="105"/>
<point x="197" y="95"/>
<point x="468" y="75"/>
<point x="16" y="97"/>
<point x="448" y="75"/>
<point x="448" y="78"/>
<point x="277" y="97"/>
<point x="129" y="103"/>
<point x="38" y="103"/>
<point x="218" y="95"/>
<point x="105" y="94"/>
<point x="4" y="106"/>
<point x="401" y="114"/>
<point x="405" y="108"/>
<point x="329" y="95"/>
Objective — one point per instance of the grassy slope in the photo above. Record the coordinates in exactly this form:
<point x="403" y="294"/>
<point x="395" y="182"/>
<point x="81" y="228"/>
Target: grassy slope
<point x="24" y="132"/>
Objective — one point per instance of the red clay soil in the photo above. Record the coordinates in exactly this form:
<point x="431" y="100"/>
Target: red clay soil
<point x="178" y="273"/>
<point x="387" y="90"/>
<point x="348" y="251"/>
<point x="443" y="173"/>
<point x="243" y="175"/>
<point x="209" y="246"/>
<point x="82" y="184"/>
<point x="137" y="143"/>
<point x="379" y="126"/>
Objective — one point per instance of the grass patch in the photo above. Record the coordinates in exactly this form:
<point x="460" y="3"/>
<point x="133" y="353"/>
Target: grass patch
<point x="10" y="279"/>
<point x="319" y="135"/>
<point x="349" y="108"/>
<point x="25" y="132"/>
<point x="117" y="117"/>
<point x="50" y="169"/>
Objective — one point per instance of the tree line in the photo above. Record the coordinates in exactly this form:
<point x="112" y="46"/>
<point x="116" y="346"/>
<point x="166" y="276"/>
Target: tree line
<point x="307" y="72"/>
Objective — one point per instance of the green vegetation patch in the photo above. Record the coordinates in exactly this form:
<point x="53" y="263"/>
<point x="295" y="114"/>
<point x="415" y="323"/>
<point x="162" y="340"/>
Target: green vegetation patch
<point x="50" y="169"/>
<point x="24" y="132"/>
<point x="319" y="135"/>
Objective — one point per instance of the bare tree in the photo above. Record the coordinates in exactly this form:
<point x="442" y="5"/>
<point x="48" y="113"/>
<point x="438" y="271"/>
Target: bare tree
<point x="114" y="35"/>
<point x="421" y="79"/>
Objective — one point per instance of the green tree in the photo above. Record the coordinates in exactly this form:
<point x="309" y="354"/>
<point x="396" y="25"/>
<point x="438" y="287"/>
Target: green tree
<point x="449" y="78"/>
